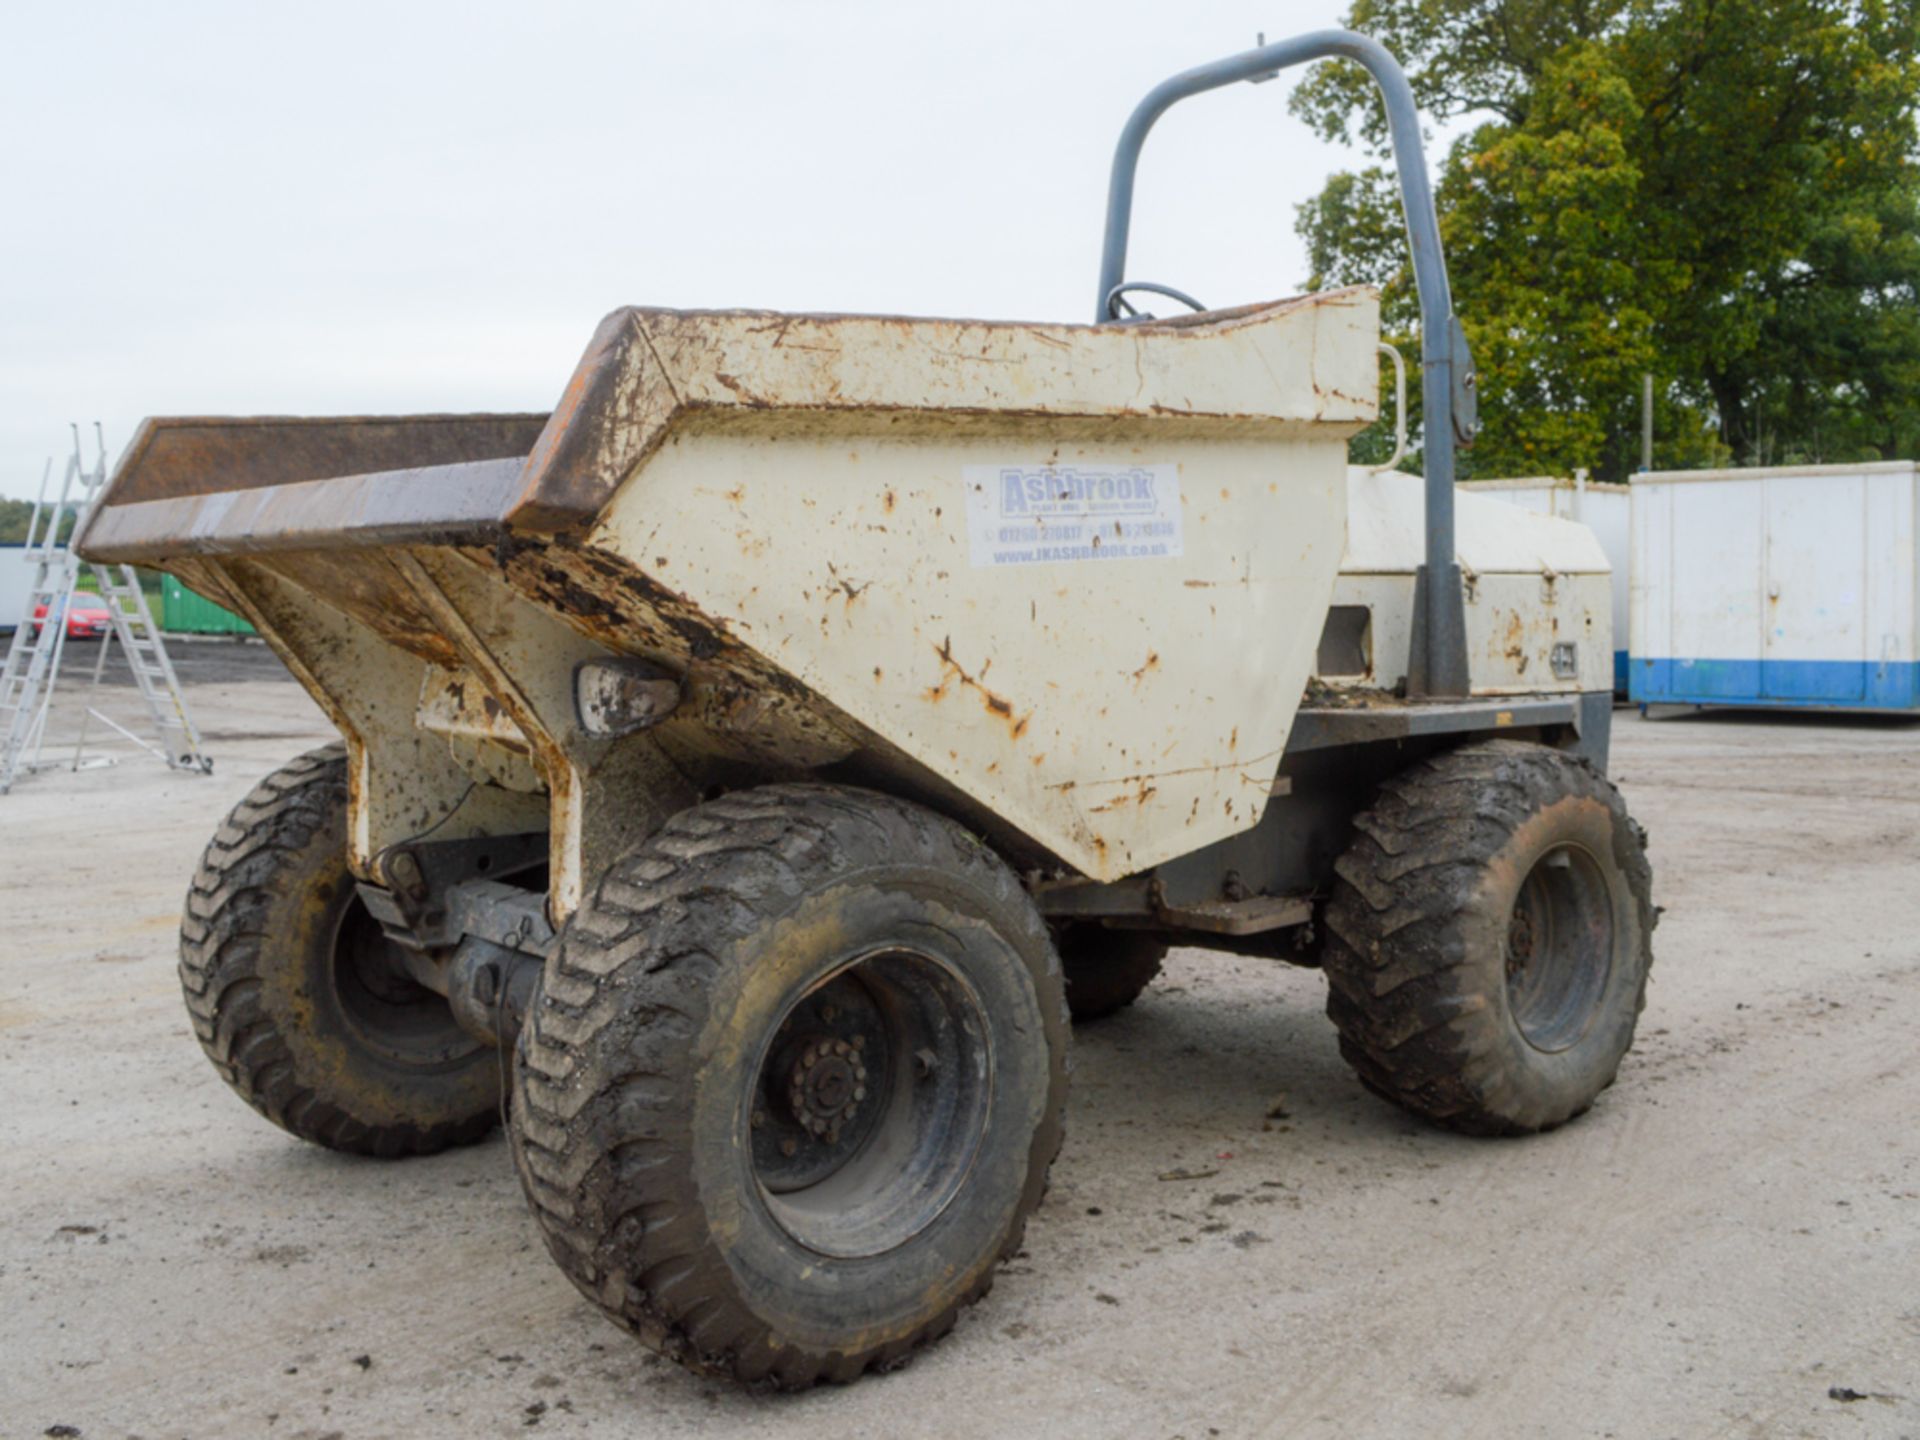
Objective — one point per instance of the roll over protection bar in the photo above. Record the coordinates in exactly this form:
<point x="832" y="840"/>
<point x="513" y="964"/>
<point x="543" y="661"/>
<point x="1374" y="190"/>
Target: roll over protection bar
<point x="1437" y="665"/>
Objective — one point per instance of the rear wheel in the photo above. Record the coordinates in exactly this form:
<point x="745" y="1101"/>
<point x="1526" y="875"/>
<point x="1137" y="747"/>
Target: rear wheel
<point x="297" y="995"/>
<point x="792" y="1083"/>
<point x="1489" y="937"/>
<point x="1107" y="970"/>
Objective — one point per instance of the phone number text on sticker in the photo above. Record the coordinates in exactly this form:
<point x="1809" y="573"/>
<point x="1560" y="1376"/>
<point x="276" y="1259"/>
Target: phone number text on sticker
<point x="1041" y="515"/>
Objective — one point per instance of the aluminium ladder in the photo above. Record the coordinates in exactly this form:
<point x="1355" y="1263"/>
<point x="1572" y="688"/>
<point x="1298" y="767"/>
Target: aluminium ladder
<point x="33" y="661"/>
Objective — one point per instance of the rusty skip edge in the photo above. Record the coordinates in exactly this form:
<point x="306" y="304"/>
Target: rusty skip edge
<point x="329" y="483"/>
<point x="438" y="505"/>
<point x="223" y="486"/>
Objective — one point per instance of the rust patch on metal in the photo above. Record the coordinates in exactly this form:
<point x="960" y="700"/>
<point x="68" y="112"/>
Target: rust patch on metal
<point x="1144" y="792"/>
<point x="1515" y="649"/>
<point x="365" y="586"/>
<point x="747" y="397"/>
<point x="996" y="705"/>
<point x="849" y="589"/>
<point x="738" y="705"/>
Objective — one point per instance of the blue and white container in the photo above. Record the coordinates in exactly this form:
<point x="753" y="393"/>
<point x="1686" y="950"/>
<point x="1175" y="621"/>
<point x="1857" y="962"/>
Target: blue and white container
<point x="1602" y="508"/>
<point x="1779" y="587"/>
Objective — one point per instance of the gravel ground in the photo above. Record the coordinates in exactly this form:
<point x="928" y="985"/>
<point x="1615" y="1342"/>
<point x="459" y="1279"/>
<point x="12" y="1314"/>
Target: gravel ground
<point x="198" y="662"/>
<point x="1728" y="1245"/>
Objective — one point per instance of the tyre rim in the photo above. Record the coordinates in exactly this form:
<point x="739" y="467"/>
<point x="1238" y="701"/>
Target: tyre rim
<point x="390" y="1013"/>
<point x="1559" y="948"/>
<point x="870" y="1103"/>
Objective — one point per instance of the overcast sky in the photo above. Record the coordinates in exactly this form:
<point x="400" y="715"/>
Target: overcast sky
<point x="346" y="208"/>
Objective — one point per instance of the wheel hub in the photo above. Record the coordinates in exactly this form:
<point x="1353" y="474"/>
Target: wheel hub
<point x="1521" y="940"/>
<point x="1559" y="949"/>
<point x="825" y="1080"/>
<point x="388" y="1011"/>
<point x="826" y="1086"/>
<point x="870" y="1103"/>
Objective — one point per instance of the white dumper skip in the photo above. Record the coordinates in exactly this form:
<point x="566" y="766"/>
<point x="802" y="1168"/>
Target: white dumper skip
<point x="774" y="744"/>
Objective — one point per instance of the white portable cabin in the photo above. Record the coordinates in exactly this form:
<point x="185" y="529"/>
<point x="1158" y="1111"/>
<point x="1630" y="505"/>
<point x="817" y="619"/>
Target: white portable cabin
<point x="1791" y="586"/>
<point x="16" y="584"/>
<point x="1602" y="508"/>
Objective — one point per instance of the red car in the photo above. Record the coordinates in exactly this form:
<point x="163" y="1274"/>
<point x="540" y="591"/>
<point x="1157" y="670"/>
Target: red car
<point x="87" y="618"/>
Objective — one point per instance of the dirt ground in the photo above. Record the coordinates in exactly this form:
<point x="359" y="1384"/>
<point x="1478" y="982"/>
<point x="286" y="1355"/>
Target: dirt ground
<point x="1728" y="1245"/>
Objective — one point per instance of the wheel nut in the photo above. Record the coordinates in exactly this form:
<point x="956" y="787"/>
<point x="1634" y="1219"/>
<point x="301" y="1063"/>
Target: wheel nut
<point x="859" y="1094"/>
<point x="789" y="1147"/>
<point x="840" y="1047"/>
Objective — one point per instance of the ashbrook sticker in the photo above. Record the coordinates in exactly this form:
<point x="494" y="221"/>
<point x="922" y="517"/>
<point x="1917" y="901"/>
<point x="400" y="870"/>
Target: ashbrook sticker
<point x="1042" y="515"/>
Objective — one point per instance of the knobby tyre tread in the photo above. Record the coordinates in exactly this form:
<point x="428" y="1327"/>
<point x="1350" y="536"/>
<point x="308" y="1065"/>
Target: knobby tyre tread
<point x="234" y="937"/>
<point x="602" y="1082"/>
<point x="1405" y="930"/>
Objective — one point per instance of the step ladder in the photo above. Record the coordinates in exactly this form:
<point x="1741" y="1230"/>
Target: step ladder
<point x="32" y="667"/>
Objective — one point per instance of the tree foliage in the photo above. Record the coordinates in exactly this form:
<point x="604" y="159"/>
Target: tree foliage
<point x="15" y="515"/>
<point x="1722" y="193"/>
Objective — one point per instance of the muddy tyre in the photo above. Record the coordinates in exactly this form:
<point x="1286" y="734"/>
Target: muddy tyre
<point x="792" y="1083"/>
<point x="296" y="996"/>
<point x="1489" y="937"/>
<point x="1106" y="970"/>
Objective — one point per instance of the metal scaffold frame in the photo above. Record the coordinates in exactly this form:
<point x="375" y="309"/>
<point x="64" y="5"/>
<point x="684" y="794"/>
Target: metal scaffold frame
<point x="32" y="669"/>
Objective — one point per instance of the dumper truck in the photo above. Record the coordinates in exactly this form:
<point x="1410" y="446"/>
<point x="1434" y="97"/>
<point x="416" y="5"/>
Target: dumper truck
<point x="747" y="768"/>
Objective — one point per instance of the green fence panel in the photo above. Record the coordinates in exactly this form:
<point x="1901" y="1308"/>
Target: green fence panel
<point x="183" y="612"/>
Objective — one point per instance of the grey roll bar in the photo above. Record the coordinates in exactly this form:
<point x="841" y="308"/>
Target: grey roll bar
<point x="1438" y="663"/>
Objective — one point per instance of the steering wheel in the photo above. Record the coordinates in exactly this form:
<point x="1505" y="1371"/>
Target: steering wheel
<point x="1117" y="301"/>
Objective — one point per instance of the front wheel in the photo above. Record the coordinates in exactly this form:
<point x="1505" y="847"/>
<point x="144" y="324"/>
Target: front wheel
<point x="1489" y="937"/>
<point x="792" y="1083"/>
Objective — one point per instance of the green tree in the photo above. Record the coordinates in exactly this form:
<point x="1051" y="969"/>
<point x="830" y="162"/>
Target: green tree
<point x="16" y="515"/>
<point x="1720" y="192"/>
